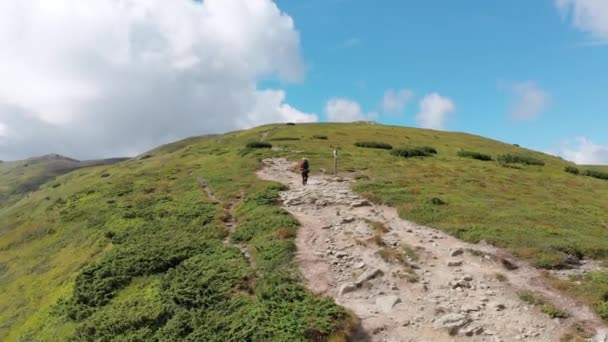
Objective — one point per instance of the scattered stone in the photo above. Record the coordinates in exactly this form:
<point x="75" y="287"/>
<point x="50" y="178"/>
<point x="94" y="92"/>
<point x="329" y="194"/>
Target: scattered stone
<point x="467" y="277"/>
<point x="360" y="203"/>
<point x="456" y="252"/>
<point x="359" y="265"/>
<point x="386" y="303"/>
<point x="473" y="331"/>
<point x="327" y="226"/>
<point x="461" y="284"/>
<point x="369" y="275"/>
<point x="454" y="263"/>
<point x="508" y="264"/>
<point x="498" y="306"/>
<point x="452" y="322"/>
<point x="470" y="307"/>
<point x="348" y="219"/>
<point x="346" y="288"/>
<point x="341" y="255"/>
<point x="406" y="323"/>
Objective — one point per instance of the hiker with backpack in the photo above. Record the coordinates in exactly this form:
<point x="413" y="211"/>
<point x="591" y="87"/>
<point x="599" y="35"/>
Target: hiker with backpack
<point x="305" y="169"/>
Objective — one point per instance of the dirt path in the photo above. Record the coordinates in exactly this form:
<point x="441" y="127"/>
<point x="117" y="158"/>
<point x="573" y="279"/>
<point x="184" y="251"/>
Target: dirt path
<point x="354" y="251"/>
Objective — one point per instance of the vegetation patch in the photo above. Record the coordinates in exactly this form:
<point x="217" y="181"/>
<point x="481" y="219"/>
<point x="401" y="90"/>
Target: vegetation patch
<point x="510" y="158"/>
<point x="374" y="144"/>
<point x="571" y="169"/>
<point x="475" y="155"/>
<point x="319" y="137"/>
<point x="547" y="308"/>
<point x="413" y="152"/>
<point x="258" y="144"/>
<point x="596" y="174"/>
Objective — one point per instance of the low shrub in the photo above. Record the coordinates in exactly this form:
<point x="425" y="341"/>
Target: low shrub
<point x="412" y="152"/>
<point x="573" y="170"/>
<point x="519" y="159"/>
<point x="259" y="144"/>
<point x="475" y="155"/>
<point x="554" y="312"/>
<point x="319" y="137"/>
<point x="374" y="144"/>
<point x="602" y="310"/>
<point x="290" y="124"/>
<point x="428" y="149"/>
<point x="437" y="201"/>
<point x="596" y="174"/>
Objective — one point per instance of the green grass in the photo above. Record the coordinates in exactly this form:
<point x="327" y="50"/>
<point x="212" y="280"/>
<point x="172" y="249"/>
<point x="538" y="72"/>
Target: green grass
<point x="546" y="308"/>
<point x="138" y="255"/>
<point x="114" y="244"/>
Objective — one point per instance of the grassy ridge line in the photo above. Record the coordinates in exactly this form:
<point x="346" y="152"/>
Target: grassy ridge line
<point x="164" y="270"/>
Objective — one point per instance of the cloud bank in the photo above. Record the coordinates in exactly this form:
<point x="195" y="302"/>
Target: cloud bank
<point x="344" y="110"/>
<point x="434" y="111"/>
<point x="590" y="16"/>
<point x="102" y="78"/>
<point x="583" y="151"/>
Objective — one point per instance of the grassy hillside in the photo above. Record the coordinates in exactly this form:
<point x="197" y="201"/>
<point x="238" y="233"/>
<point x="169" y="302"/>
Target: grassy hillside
<point x="136" y="250"/>
<point x="21" y="177"/>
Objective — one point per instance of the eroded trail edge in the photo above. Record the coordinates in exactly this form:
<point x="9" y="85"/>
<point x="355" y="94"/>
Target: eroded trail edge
<point x="413" y="283"/>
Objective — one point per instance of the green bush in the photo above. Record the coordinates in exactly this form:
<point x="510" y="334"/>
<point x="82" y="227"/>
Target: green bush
<point x="474" y="155"/>
<point x="319" y="137"/>
<point x="259" y="144"/>
<point x="553" y="311"/>
<point x="602" y="310"/>
<point x="412" y="152"/>
<point x="596" y="174"/>
<point x="573" y="170"/>
<point x="519" y="159"/>
<point x="428" y="149"/>
<point x="374" y="144"/>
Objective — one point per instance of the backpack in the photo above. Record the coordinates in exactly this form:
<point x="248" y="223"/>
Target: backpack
<point x="304" y="165"/>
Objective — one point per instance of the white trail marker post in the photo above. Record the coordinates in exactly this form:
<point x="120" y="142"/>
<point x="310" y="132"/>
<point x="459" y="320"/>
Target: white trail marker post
<point x="335" y="161"/>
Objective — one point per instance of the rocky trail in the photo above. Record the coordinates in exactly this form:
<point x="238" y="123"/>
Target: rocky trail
<point x="408" y="282"/>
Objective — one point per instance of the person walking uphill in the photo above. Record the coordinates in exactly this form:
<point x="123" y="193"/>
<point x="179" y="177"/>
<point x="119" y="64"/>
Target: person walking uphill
<point x="305" y="169"/>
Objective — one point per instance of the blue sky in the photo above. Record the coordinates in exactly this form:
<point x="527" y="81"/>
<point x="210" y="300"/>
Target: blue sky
<point x="475" y="53"/>
<point x="106" y="78"/>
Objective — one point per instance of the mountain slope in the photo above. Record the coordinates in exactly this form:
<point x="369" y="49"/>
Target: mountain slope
<point x="142" y="244"/>
<point x="21" y="177"/>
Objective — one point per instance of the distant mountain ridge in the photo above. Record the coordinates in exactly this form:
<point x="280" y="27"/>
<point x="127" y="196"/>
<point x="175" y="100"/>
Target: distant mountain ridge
<point x="18" y="178"/>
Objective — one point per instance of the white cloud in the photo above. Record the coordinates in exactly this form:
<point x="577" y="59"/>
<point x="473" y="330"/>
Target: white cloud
<point x="583" y="151"/>
<point x="590" y="16"/>
<point x="343" y="110"/>
<point x="434" y="111"/>
<point x="394" y="101"/>
<point x="529" y="101"/>
<point x="112" y="77"/>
